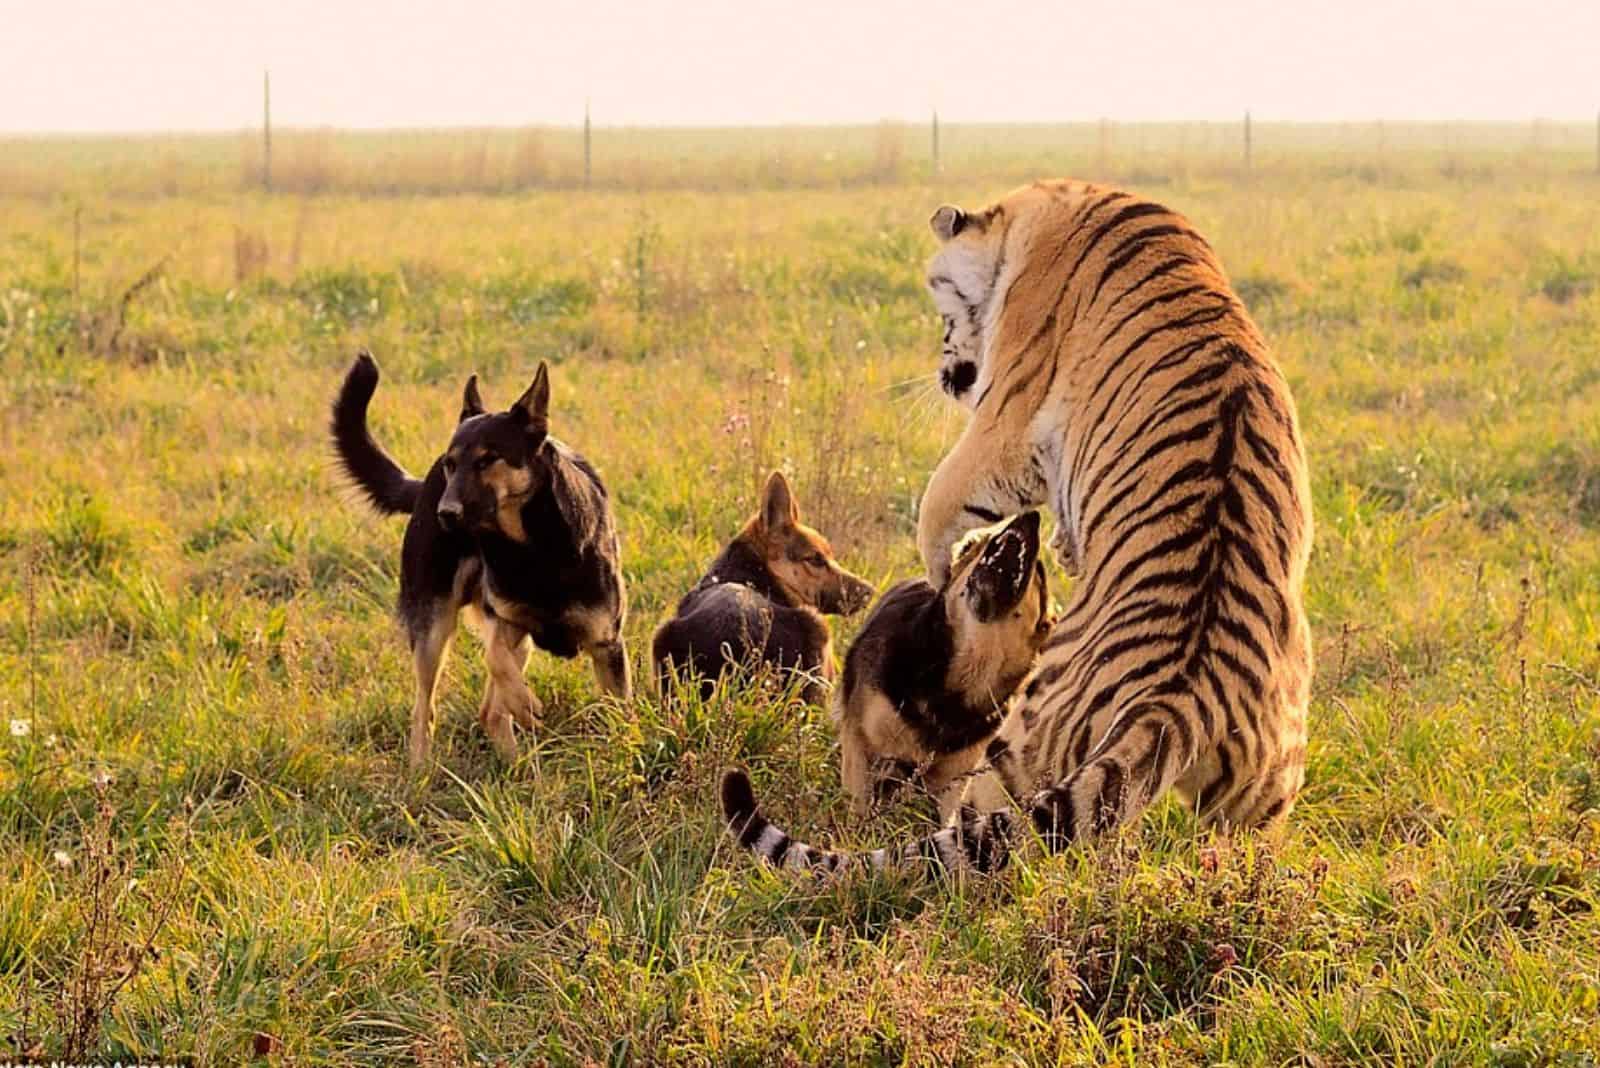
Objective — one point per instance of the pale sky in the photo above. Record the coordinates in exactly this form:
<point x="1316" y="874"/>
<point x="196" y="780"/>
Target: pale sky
<point x="127" y="65"/>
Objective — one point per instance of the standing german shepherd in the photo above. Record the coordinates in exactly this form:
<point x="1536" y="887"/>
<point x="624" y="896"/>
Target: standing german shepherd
<point x="510" y="526"/>
<point x="762" y="602"/>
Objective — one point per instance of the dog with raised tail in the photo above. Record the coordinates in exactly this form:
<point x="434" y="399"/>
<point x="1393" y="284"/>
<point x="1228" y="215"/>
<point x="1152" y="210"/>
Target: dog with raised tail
<point x="510" y="528"/>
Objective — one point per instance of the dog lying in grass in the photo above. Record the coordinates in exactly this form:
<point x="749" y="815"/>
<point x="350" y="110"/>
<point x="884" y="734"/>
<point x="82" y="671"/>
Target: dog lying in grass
<point x="927" y="681"/>
<point x="509" y="527"/>
<point x="761" y="603"/>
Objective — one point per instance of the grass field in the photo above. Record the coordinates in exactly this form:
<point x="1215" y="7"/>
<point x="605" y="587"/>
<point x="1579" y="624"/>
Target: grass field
<point x="208" y="844"/>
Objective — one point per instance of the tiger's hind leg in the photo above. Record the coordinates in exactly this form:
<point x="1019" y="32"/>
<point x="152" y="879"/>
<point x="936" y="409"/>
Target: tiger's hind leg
<point x="1227" y="796"/>
<point x="1147" y="747"/>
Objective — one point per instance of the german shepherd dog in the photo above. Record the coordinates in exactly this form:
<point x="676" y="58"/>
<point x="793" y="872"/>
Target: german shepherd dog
<point x="928" y="679"/>
<point x="762" y="602"/>
<point x="509" y="526"/>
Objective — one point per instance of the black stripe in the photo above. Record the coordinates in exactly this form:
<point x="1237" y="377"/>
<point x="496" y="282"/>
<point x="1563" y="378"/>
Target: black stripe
<point x="1228" y="441"/>
<point x="752" y="830"/>
<point x="1245" y="637"/>
<point x="1108" y="803"/>
<point x="1053" y="810"/>
<point x="1131" y="246"/>
<point x="1217" y="787"/>
<point x="985" y="514"/>
<point x="1184" y="475"/>
<point x="1166" y="267"/>
<point x="1137" y="467"/>
<point x="1183" y="351"/>
<point x="1271" y="513"/>
<point x="1159" y="298"/>
<point x="1269" y="458"/>
<point x="1251" y="680"/>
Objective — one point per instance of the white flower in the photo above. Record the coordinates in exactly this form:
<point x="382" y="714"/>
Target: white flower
<point x="62" y="858"/>
<point x="21" y="728"/>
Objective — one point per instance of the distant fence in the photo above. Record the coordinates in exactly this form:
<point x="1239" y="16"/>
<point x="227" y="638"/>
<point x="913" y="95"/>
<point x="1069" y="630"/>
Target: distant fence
<point x="498" y="161"/>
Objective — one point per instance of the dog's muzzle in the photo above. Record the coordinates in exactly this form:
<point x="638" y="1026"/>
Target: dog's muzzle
<point x="449" y="517"/>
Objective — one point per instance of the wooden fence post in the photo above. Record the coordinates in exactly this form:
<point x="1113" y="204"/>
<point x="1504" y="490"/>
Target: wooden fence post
<point x="266" y="130"/>
<point x="587" y="158"/>
<point x="1247" y="142"/>
<point x="77" y="259"/>
<point x="936" y="141"/>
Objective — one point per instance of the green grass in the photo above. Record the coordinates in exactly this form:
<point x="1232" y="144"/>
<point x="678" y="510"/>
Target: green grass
<point x="195" y="612"/>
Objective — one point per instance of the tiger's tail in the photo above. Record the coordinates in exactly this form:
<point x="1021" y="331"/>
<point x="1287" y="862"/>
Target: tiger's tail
<point x="974" y="841"/>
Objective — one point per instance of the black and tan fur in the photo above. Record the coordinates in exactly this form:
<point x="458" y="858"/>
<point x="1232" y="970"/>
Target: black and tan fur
<point x="927" y="681"/>
<point x="1114" y="375"/>
<point x="761" y="603"/>
<point x="511" y="528"/>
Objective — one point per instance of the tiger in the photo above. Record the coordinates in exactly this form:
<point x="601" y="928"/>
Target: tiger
<point x="1113" y="375"/>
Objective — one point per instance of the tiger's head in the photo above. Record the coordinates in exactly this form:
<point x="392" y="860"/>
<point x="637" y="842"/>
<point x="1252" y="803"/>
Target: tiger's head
<point x="962" y="277"/>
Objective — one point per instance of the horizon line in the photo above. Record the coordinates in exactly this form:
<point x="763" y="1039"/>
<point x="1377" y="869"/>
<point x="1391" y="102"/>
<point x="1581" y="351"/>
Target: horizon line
<point x="1255" y="119"/>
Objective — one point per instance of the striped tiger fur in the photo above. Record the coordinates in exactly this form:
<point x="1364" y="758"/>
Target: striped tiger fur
<point x="1113" y="375"/>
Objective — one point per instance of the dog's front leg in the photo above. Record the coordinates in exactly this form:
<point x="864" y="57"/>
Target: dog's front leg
<point x="507" y="699"/>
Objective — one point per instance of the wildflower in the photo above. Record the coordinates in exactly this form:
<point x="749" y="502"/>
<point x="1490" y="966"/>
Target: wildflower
<point x="21" y="728"/>
<point x="62" y="858"/>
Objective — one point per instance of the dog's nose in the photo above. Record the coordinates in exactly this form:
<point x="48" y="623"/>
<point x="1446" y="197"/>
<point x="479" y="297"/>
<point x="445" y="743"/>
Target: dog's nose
<point x="860" y="596"/>
<point x="449" y="516"/>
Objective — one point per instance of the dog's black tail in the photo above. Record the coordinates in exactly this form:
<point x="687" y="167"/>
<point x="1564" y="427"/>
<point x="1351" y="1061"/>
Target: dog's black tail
<point x="384" y="482"/>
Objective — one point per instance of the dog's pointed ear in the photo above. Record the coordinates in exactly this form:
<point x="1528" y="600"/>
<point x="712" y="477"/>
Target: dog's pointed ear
<point x="534" y="405"/>
<point x="779" y="509"/>
<point x="947" y="221"/>
<point x="1004" y="568"/>
<point x="471" y="400"/>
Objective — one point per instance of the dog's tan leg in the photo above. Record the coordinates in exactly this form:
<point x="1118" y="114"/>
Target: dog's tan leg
<point x="611" y="669"/>
<point x="508" y="699"/>
<point x="946" y="780"/>
<point x="427" y="655"/>
<point x="855" y="770"/>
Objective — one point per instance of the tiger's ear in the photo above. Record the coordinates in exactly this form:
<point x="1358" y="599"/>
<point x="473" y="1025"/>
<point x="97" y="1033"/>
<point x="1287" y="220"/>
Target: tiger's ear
<point x="779" y="509"/>
<point x="533" y="407"/>
<point x="947" y="221"/>
<point x="1004" y="568"/>
<point x="471" y="400"/>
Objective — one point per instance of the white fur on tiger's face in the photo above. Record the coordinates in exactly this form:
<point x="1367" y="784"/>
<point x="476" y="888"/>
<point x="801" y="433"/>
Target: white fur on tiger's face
<point x="1114" y="376"/>
<point x="962" y="279"/>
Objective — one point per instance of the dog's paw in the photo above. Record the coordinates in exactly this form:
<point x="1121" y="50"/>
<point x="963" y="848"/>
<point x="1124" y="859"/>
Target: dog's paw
<point x="525" y="709"/>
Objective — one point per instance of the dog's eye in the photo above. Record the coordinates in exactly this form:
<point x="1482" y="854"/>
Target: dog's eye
<point x="818" y="560"/>
<point x="482" y="463"/>
<point x="449" y="466"/>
